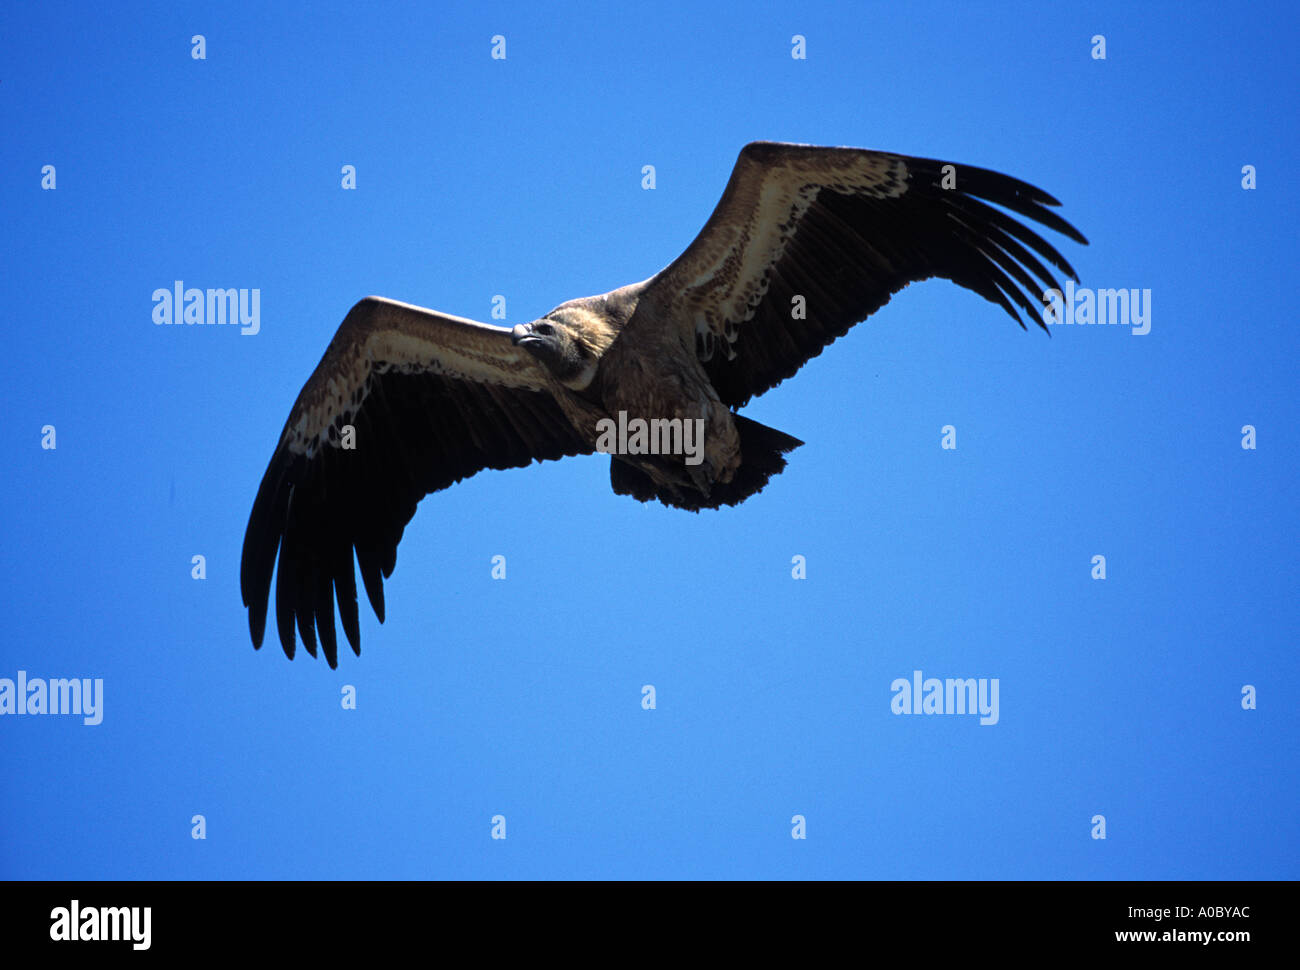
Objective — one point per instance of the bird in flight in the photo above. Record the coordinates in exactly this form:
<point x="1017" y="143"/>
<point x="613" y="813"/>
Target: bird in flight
<point x="805" y="242"/>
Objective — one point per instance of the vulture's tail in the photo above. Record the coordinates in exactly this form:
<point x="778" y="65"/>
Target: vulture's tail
<point x="761" y="456"/>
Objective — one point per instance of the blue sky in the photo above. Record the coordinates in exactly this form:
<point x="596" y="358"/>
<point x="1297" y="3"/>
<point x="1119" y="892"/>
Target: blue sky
<point x="522" y="698"/>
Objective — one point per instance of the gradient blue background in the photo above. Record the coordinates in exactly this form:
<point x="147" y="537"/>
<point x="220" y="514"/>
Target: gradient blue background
<point x="522" y="178"/>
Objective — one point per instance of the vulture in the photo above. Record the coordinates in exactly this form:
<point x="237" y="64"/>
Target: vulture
<point x="805" y="242"/>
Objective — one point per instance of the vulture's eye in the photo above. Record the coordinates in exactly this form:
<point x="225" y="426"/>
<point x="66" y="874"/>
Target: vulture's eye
<point x="545" y="329"/>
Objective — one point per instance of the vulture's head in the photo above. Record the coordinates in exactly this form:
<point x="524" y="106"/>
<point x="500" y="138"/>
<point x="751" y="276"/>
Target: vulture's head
<point x="566" y="344"/>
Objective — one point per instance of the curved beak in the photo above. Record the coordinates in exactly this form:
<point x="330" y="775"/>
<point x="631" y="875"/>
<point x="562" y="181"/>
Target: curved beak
<point x="521" y="332"/>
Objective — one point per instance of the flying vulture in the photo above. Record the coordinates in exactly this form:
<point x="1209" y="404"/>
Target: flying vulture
<point x="805" y="242"/>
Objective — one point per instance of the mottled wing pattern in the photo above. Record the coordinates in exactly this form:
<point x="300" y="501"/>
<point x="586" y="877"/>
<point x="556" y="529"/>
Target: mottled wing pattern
<point x="426" y="400"/>
<point x="844" y="229"/>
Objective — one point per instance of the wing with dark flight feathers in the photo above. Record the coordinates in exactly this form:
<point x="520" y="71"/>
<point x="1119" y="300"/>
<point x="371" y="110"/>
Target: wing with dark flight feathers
<point x="430" y="399"/>
<point x="844" y="229"/>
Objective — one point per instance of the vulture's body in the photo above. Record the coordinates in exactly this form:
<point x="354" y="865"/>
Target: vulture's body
<point x="804" y="243"/>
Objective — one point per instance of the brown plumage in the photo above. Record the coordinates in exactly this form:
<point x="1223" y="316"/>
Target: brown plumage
<point x="805" y="242"/>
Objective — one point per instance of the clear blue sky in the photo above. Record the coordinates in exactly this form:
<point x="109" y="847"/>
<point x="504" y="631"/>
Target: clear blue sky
<point x="1118" y="697"/>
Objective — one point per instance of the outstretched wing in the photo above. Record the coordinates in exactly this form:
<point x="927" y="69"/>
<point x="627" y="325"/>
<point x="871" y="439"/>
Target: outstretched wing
<point x="844" y="229"/>
<point x="405" y="402"/>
